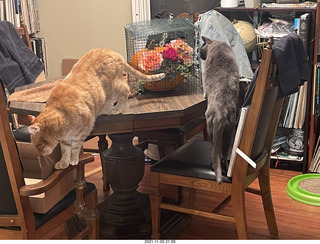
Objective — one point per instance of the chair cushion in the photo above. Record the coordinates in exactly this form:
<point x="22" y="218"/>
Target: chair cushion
<point x="69" y="199"/>
<point x="22" y="134"/>
<point x="7" y="203"/>
<point x="192" y="160"/>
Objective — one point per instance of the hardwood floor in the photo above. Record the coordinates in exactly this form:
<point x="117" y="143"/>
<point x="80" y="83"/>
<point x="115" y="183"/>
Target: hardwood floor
<point x="295" y="220"/>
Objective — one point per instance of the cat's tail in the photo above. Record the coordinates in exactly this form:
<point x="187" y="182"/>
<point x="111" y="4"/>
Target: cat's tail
<point x="131" y="70"/>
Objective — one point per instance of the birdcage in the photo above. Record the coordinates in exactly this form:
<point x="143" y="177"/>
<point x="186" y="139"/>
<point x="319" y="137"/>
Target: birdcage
<point x="164" y="46"/>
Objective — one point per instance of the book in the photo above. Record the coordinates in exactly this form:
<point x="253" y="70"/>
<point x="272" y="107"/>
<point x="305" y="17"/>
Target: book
<point x="288" y="114"/>
<point x="296" y="24"/>
<point x="294" y="109"/>
<point x="284" y="111"/>
<point x="301" y="107"/>
<point x="317" y="112"/>
<point x="304" y="30"/>
<point x="39" y="48"/>
<point x="315" y="162"/>
<point x="24" y="14"/>
<point x="2" y="10"/>
<point x="316" y="99"/>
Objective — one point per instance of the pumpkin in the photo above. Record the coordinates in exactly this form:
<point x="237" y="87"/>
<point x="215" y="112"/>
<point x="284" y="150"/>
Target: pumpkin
<point x="135" y="59"/>
<point x="156" y="86"/>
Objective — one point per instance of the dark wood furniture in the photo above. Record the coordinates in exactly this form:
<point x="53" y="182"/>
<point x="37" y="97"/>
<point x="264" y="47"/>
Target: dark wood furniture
<point x="17" y="219"/>
<point x="126" y="212"/>
<point x="190" y="165"/>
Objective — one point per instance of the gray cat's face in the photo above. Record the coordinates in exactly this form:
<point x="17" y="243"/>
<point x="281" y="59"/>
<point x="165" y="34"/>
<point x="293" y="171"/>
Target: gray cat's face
<point x="204" y="48"/>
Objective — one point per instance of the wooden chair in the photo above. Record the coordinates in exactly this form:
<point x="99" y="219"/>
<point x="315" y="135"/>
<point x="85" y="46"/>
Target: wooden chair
<point x="23" y="33"/>
<point x="17" y="219"/>
<point x="172" y="138"/>
<point x="190" y="165"/>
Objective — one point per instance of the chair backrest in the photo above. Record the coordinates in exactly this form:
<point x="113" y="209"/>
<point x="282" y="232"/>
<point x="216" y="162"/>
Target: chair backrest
<point x="23" y="33"/>
<point x="11" y="175"/>
<point x="7" y="204"/>
<point x="262" y="119"/>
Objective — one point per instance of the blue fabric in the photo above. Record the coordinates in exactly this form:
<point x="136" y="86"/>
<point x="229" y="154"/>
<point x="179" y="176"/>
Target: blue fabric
<point x="291" y="59"/>
<point x="18" y="64"/>
<point x="215" y="26"/>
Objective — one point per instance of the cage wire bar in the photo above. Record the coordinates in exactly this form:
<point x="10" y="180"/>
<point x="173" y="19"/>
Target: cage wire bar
<point x="148" y="41"/>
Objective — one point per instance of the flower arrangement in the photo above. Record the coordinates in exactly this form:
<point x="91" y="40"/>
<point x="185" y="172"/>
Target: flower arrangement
<point x="174" y="58"/>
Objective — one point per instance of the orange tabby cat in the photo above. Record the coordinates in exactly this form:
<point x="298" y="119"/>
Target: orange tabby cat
<point x="95" y="82"/>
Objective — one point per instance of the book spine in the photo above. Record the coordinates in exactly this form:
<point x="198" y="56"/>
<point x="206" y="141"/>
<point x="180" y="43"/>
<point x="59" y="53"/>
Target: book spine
<point x="39" y="50"/>
<point x="304" y="30"/>
<point x="317" y="91"/>
<point x="1" y="10"/>
<point x="296" y="24"/>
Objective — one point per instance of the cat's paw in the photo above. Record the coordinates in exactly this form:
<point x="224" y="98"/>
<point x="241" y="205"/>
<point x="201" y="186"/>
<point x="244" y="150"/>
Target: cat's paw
<point x="74" y="161"/>
<point x="61" y="165"/>
<point x="116" y="111"/>
<point x="218" y="173"/>
<point x="219" y="178"/>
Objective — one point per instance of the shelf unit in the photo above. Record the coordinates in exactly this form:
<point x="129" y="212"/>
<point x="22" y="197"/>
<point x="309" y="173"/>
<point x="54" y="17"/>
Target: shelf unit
<point x="257" y="16"/>
<point x="314" y="120"/>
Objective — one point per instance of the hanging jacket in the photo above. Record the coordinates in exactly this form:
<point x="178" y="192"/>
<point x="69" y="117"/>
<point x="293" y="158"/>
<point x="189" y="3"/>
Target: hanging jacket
<point x="215" y="26"/>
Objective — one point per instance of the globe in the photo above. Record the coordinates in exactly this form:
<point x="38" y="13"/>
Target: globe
<point x="247" y="34"/>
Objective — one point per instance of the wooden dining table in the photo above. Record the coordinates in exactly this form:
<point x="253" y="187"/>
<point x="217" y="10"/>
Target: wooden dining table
<point x="125" y="214"/>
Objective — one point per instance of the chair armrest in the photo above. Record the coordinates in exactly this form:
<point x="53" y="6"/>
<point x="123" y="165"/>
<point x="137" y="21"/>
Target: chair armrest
<point x="47" y="184"/>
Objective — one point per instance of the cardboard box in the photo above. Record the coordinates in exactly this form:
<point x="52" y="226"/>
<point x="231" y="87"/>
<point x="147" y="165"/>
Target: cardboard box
<point x="43" y="202"/>
<point x="35" y="166"/>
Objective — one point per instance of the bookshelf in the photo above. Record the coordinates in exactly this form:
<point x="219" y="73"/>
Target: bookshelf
<point x="314" y="135"/>
<point x="258" y="16"/>
<point x="24" y="13"/>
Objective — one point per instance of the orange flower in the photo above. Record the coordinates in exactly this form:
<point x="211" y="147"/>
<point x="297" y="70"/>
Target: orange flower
<point x="181" y="45"/>
<point x="150" y="61"/>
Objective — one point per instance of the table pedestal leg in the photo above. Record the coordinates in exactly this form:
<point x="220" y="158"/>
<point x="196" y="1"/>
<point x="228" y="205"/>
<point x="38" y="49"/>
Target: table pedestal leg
<point x="125" y="214"/>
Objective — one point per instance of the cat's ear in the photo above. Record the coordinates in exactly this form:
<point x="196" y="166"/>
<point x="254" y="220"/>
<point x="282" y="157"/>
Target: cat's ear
<point x="204" y="39"/>
<point x="33" y="129"/>
<point x="31" y="118"/>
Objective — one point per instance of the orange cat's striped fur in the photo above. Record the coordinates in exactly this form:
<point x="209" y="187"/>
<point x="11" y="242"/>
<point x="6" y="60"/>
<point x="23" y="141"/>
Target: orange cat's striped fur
<point x="95" y="82"/>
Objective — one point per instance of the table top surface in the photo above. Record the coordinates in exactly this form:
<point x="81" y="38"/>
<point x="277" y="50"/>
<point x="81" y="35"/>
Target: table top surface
<point x="141" y="113"/>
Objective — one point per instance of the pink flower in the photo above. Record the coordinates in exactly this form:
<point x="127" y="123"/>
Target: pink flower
<point x="170" y="54"/>
<point x="150" y="61"/>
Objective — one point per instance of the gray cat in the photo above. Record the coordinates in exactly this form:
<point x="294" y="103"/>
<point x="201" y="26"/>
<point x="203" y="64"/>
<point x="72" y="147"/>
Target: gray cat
<point x="221" y="84"/>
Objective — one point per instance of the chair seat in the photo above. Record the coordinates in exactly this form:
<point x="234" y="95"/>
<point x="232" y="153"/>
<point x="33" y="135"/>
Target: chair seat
<point x="192" y="160"/>
<point x="22" y="134"/>
<point x="64" y="203"/>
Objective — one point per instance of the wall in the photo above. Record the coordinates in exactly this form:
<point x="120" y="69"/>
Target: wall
<point x="72" y="27"/>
